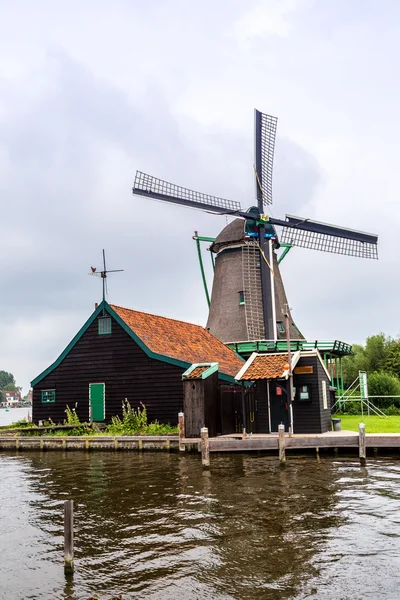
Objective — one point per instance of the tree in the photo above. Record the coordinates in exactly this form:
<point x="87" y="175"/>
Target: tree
<point x="371" y="358"/>
<point x="6" y="379"/>
<point x="392" y="359"/>
<point x="386" y="385"/>
<point x="7" y="382"/>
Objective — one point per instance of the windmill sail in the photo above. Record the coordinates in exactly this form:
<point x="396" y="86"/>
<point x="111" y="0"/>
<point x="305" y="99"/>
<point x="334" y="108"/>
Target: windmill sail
<point x="158" y="189"/>
<point x="265" y="132"/>
<point x="314" y="235"/>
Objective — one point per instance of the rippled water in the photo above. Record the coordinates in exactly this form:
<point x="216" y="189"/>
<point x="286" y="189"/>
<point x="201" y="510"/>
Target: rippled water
<point x="154" y="525"/>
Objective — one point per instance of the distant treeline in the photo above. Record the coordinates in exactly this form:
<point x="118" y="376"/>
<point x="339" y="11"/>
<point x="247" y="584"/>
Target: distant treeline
<point x="380" y="358"/>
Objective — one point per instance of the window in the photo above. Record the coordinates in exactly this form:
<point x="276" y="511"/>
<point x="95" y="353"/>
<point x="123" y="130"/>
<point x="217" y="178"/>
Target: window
<point x="241" y="297"/>
<point x="304" y="393"/>
<point x="324" y="395"/>
<point x="280" y="326"/>
<point x="104" y="325"/>
<point x="48" y="396"/>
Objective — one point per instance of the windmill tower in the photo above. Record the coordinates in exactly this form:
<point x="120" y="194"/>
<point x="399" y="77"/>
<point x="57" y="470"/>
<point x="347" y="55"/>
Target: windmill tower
<point x="248" y="296"/>
<point x="236" y="308"/>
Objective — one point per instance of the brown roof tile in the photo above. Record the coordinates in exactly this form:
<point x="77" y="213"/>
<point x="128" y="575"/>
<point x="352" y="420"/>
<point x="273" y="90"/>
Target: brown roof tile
<point x="180" y="340"/>
<point x="266" y="366"/>
<point x="197" y="372"/>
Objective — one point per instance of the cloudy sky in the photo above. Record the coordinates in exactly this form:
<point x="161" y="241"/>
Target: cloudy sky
<point x="90" y="91"/>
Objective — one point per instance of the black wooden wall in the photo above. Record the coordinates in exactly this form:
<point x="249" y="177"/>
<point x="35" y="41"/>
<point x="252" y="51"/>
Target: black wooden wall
<point x="116" y="360"/>
<point x="310" y="416"/>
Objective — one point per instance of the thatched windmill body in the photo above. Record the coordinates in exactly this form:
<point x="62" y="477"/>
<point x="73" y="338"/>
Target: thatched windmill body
<point x="248" y="297"/>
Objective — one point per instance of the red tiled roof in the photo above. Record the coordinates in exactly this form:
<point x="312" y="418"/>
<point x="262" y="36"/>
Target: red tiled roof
<point x="180" y="340"/>
<point x="266" y="366"/>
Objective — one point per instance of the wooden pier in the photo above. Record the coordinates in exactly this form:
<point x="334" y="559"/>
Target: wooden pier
<point x="269" y="443"/>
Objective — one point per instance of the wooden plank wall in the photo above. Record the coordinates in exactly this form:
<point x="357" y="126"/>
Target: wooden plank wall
<point x="127" y="372"/>
<point x="311" y="417"/>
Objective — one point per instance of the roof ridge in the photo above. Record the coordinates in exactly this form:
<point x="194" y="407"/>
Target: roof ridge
<point x="160" y="316"/>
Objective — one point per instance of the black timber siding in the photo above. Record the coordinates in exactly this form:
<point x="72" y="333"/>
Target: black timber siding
<point x="311" y="417"/>
<point x="127" y="372"/>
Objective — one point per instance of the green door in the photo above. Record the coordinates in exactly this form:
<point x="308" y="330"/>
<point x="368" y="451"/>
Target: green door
<point x="96" y="400"/>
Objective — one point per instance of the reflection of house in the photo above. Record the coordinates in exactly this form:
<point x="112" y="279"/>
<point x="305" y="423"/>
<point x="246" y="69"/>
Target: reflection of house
<point x="12" y="398"/>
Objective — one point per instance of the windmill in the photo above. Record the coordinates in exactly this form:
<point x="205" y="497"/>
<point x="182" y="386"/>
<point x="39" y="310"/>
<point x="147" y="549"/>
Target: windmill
<point x="248" y="297"/>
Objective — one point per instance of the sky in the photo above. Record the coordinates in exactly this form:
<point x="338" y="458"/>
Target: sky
<point x="91" y="91"/>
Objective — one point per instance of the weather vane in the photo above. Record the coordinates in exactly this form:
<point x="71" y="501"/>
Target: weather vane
<point x="103" y="274"/>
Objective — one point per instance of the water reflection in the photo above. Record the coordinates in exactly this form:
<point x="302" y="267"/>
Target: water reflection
<point x="158" y="526"/>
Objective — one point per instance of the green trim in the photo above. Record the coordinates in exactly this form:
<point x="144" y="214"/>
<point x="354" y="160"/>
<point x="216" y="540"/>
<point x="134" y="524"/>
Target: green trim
<point x="204" y="239"/>
<point x="102" y="320"/>
<point x="104" y="305"/>
<point x="69" y="347"/>
<point x="245" y="349"/>
<point x="203" y="275"/>
<point x="287" y="249"/>
<point x="212" y="368"/>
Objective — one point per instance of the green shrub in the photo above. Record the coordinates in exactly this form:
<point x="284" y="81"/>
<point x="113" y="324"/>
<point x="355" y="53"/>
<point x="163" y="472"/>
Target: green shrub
<point x="72" y="417"/>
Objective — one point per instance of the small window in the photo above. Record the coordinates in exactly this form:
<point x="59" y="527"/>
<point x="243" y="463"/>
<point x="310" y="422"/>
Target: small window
<point x="48" y="396"/>
<point x="241" y="297"/>
<point x="304" y="393"/>
<point x="281" y="327"/>
<point x="104" y="325"/>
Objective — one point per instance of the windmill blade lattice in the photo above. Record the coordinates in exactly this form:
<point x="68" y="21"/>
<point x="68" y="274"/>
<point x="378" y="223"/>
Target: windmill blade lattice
<point x="313" y="235"/>
<point x="265" y="133"/>
<point x="147" y="185"/>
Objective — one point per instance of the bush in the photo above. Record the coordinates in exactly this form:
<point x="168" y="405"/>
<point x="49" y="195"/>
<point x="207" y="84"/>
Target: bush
<point x="72" y="417"/>
<point x="132" y="420"/>
<point x="382" y="384"/>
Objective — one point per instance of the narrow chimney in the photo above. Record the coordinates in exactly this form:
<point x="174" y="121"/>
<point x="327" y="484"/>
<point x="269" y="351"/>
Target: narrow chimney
<point x="96" y="305"/>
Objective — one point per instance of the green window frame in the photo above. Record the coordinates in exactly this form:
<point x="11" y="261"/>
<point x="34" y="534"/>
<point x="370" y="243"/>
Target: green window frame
<point x="104" y="325"/>
<point x="48" y="396"/>
<point x="280" y="326"/>
<point x="241" y="298"/>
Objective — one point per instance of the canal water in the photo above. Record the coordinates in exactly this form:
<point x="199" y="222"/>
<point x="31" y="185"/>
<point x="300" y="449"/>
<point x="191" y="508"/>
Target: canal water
<point x="154" y="525"/>
<point x="11" y="415"/>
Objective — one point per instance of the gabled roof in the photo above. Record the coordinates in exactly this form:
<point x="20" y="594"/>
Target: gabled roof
<point x="274" y="365"/>
<point x="164" y="339"/>
<point x="267" y="366"/>
<point x="200" y="371"/>
<point x="179" y="340"/>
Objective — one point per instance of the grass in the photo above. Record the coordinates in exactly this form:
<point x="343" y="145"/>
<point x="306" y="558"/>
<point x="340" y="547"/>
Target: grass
<point x="373" y="424"/>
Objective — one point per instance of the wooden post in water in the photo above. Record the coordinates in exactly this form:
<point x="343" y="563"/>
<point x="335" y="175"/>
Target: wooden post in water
<point x="362" y="442"/>
<point x="181" y="425"/>
<point x="205" y="450"/>
<point x="281" y="443"/>
<point x="69" y="536"/>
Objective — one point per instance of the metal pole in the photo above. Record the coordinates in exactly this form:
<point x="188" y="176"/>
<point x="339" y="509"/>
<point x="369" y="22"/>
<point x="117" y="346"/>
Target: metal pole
<point x="290" y="399"/>
<point x="243" y="411"/>
<point x="203" y="275"/>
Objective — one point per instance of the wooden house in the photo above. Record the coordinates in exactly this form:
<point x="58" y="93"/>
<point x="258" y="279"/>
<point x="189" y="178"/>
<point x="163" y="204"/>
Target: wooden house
<point x="121" y="353"/>
<point x="266" y="401"/>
